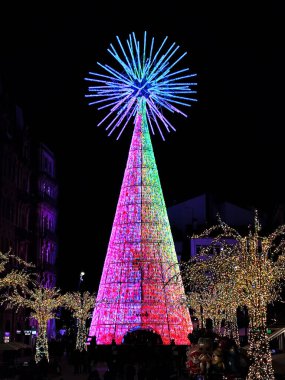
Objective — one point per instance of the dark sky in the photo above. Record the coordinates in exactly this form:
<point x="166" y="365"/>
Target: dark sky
<point x="230" y="144"/>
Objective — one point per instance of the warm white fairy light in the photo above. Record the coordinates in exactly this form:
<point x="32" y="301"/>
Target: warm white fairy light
<point x="43" y="303"/>
<point x="209" y="280"/>
<point x="80" y="305"/>
<point x="249" y="273"/>
<point x="15" y="277"/>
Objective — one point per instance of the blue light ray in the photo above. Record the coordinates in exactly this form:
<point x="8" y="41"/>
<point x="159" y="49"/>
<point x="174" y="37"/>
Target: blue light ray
<point x="146" y="83"/>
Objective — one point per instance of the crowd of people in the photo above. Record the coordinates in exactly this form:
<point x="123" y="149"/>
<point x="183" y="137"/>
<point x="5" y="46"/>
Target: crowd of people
<point x="129" y="361"/>
<point x="140" y="357"/>
<point x="213" y="357"/>
<point x="134" y="361"/>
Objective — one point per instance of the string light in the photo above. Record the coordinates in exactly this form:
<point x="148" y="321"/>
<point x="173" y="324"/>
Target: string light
<point x="248" y="273"/>
<point x="15" y="277"/>
<point x="80" y="306"/>
<point x="43" y="303"/>
<point x="210" y="290"/>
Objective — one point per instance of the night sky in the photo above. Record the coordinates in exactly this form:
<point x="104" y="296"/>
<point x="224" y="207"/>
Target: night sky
<point x="230" y="144"/>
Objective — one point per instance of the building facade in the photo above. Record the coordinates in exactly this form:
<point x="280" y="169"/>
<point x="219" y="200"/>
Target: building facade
<point x="28" y="213"/>
<point x="46" y="215"/>
<point x="46" y="220"/>
<point x="196" y="214"/>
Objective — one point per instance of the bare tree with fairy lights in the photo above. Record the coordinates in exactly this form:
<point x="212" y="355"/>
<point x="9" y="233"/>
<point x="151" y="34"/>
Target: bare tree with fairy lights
<point x="248" y="273"/>
<point x="43" y="304"/>
<point x="80" y="305"/>
<point x="209" y="280"/>
<point x="259" y="274"/>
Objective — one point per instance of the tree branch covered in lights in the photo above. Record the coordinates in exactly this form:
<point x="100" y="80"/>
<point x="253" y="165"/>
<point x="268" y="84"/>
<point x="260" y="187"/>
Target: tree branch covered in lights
<point x="14" y="277"/>
<point x="43" y="303"/>
<point x="252" y="270"/>
<point x="80" y="306"/>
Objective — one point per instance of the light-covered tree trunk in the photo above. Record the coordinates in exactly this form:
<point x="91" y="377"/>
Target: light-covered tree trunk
<point x="42" y="342"/>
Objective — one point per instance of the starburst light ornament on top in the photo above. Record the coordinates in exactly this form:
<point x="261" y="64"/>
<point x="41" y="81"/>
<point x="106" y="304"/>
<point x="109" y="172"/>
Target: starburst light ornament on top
<point x="134" y="291"/>
<point x="147" y="80"/>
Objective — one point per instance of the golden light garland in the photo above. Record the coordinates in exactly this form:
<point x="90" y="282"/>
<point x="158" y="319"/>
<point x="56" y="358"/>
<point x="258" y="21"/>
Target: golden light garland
<point x="80" y="305"/>
<point x="43" y="303"/>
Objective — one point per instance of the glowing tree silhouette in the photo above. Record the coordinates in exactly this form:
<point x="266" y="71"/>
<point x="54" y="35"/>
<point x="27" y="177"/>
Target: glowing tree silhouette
<point x="141" y="255"/>
<point x="80" y="305"/>
<point x="249" y="272"/>
<point x="43" y="304"/>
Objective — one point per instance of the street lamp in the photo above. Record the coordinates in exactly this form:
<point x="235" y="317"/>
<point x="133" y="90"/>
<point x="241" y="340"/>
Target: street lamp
<point x="81" y="276"/>
<point x="80" y="280"/>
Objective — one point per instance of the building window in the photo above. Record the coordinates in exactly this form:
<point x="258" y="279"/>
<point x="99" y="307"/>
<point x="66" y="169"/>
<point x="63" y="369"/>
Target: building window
<point x="26" y="150"/>
<point x="47" y="189"/>
<point x="47" y="165"/>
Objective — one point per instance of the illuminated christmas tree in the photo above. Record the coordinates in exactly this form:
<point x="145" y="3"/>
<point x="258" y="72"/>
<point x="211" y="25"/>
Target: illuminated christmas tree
<point x="134" y="291"/>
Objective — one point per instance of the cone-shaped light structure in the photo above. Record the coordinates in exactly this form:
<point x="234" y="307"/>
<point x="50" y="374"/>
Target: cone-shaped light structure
<point x="134" y="291"/>
<point x="141" y="258"/>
